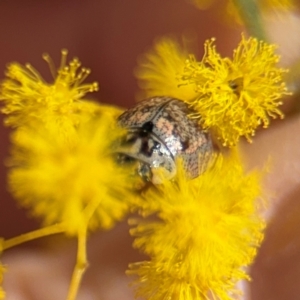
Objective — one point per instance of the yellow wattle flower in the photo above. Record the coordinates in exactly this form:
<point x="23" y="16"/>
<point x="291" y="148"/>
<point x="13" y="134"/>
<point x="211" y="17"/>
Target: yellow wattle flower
<point x="235" y="96"/>
<point x="207" y="232"/>
<point x="2" y="270"/>
<point x="28" y="97"/>
<point x="62" y="165"/>
<point x="2" y="293"/>
<point x="159" y="70"/>
<point x="58" y="180"/>
<point x="231" y="97"/>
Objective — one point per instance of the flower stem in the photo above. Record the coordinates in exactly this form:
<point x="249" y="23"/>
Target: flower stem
<point x="80" y="267"/>
<point x="251" y="15"/>
<point x="81" y="261"/>
<point x="36" y="234"/>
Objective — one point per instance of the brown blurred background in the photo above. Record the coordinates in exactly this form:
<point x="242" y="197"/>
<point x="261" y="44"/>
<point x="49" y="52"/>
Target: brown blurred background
<point x="108" y="36"/>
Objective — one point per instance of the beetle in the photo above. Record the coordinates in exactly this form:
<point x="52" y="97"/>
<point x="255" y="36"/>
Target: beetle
<point x="159" y="130"/>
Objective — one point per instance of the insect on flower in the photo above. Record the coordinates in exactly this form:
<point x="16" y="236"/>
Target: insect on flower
<point x="158" y="132"/>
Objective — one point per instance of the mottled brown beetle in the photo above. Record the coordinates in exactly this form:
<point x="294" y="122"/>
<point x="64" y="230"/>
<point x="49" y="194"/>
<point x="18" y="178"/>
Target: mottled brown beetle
<point x="158" y="131"/>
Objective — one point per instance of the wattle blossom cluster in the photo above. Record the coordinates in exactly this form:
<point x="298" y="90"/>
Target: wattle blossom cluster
<point x="206" y="233"/>
<point x="62" y="165"/>
<point x="232" y="97"/>
<point x="200" y="234"/>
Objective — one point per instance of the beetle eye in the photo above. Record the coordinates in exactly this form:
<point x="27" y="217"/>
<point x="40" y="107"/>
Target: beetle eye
<point x="148" y="127"/>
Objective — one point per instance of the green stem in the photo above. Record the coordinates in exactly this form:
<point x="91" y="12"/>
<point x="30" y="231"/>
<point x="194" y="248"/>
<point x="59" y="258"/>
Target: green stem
<point x="250" y="13"/>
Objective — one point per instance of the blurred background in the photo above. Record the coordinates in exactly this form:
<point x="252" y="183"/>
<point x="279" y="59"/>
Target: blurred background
<point x="108" y="36"/>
